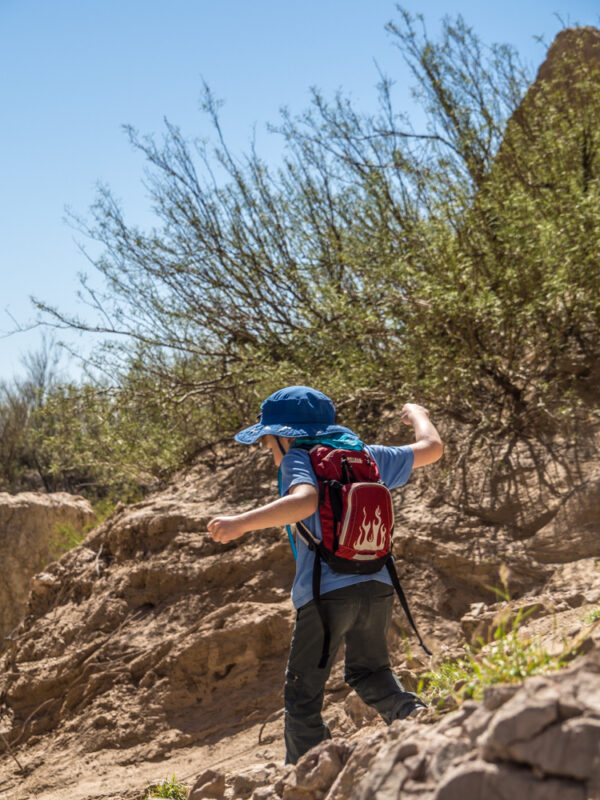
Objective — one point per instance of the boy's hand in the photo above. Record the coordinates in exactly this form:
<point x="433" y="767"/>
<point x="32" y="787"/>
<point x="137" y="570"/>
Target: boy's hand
<point x="409" y="410"/>
<point x="225" y="529"/>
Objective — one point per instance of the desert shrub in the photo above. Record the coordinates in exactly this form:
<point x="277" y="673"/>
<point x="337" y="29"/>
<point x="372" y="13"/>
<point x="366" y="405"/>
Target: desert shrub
<point x="169" y="788"/>
<point x="592" y="616"/>
<point x="458" y="265"/>
<point x="508" y="658"/>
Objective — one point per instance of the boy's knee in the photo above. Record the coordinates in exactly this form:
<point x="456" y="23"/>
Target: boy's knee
<point x="302" y="696"/>
<point x="295" y="691"/>
<point x="291" y="687"/>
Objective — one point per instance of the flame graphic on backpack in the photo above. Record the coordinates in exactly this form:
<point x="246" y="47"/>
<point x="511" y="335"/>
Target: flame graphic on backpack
<point x="371" y="531"/>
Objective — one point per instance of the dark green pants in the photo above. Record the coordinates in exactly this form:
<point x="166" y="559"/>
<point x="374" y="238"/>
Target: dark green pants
<point x="360" y="616"/>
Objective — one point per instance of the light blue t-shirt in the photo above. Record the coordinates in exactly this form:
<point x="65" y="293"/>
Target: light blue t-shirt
<point x="395" y="465"/>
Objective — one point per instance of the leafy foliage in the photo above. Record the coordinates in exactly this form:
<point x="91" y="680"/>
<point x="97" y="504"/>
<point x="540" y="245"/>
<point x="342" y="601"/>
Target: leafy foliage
<point x="508" y="658"/>
<point x="593" y="616"/>
<point x="458" y="265"/>
<point x="68" y="536"/>
<point x="169" y="788"/>
<point x="20" y="401"/>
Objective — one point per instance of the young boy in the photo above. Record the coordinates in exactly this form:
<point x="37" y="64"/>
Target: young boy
<point x="357" y="607"/>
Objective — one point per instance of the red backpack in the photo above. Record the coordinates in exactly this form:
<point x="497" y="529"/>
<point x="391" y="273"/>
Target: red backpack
<point x="357" y="522"/>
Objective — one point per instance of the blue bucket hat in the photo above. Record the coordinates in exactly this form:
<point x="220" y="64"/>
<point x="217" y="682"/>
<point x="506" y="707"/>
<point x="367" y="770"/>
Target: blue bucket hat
<point x="293" y="412"/>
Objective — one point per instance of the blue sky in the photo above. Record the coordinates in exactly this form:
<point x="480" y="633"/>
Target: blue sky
<point x="74" y="71"/>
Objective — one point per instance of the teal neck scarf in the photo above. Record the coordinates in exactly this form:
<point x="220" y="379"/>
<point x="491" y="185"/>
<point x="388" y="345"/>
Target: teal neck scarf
<point x="343" y="441"/>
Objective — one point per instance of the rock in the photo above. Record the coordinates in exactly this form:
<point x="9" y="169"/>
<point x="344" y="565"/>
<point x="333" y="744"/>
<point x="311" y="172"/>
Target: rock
<point x="246" y="783"/>
<point x="584" y="693"/>
<point x="317" y="770"/>
<point x="29" y="540"/>
<point x="476" y="623"/>
<point x="539" y="741"/>
<point x="446" y="755"/>
<point x="477" y="609"/>
<point x="482" y="781"/>
<point x="529" y="711"/>
<point x="477" y="723"/>
<point x="574" y="533"/>
<point x="209" y="784"/>
<point x="357" y="765"/>
<point x="496" y="696"/>
<point x="458" y="718"/>
<point x="359" y="712"/>
<point x="385" y="776"/>
<point x="263" y="793"/>
<point x="570" y="749"/>
<point x="175" y="637"/>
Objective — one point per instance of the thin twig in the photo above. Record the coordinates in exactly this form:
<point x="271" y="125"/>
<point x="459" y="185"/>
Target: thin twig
<point x="10" y="752"/>
<point x="271" y="718"/>
<point x="97" y="561"/>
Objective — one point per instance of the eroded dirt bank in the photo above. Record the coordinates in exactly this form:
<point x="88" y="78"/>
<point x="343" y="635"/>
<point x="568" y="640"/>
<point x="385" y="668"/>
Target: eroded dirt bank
<point x="150" y="649"/>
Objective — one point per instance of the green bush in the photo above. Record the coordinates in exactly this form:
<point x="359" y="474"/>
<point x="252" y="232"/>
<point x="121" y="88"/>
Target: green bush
<point x="167" y="788"/>
<point x="68" y="536"/>
<point x="592" y="617"/>
<point x="458" y="265"/>
<point x="509" y="658"/>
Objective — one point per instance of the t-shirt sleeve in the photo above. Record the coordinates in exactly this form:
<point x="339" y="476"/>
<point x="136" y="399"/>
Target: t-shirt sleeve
<point x="395" y="463"/>
<point x="296" y="468"/>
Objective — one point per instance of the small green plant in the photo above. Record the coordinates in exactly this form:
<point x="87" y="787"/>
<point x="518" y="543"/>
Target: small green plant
<point x="167" y="788"/>
<point x="592" y="617"/>
<point x="508" y="658"/>
<point x="66" y="538"/>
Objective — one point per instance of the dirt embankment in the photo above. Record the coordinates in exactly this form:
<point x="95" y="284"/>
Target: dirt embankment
<point x="151" y="649"/>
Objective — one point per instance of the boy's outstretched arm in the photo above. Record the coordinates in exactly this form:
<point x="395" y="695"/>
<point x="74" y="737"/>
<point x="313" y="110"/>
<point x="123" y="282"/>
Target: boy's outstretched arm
<point x="301" y="501"/>
<point x="428" y="446"/>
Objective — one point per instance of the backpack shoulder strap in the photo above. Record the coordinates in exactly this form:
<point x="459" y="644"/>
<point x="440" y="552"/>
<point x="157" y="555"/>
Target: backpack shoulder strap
<point x="403" y="602"/>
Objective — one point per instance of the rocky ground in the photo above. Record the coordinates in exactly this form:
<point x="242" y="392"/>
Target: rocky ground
<point x="540" y="741"/>
<point x="150" y="650"/>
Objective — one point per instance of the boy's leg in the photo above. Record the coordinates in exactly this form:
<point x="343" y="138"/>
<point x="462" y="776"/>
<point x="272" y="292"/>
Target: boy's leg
<point x="304" y="681"/>
<point x="367" y="667"/>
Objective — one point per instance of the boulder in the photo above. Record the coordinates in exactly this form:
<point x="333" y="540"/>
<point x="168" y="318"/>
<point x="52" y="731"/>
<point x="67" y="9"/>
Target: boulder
<point x="482" y="781"/>
<point x="30" y="537"/>
<point x="573" y="534"/>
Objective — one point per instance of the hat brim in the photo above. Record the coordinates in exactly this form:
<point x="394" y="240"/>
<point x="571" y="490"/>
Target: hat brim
<point x="254" y="432"/>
